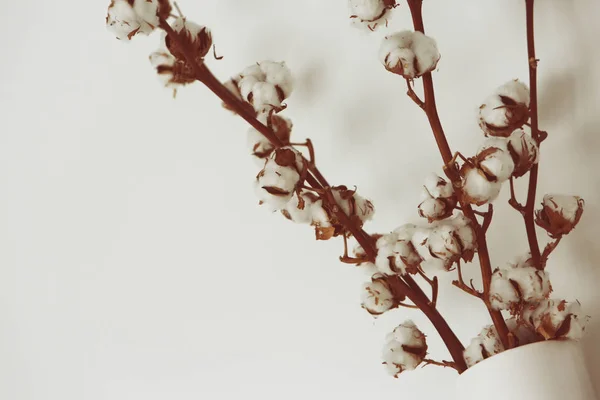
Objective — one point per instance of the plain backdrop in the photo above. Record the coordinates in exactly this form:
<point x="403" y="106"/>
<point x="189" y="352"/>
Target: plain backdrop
<point x="135" y="262"/>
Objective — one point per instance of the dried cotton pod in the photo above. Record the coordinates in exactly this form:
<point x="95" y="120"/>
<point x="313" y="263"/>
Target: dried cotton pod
<point x="405" y="348"/>
<point x="438" y="199"/>
<point x="277" y="181"/>
<point x="559" y="214"/>
<point x="193" y="36"/>
<point x="477" y="187"/>
<point x="409" y="54"/>
<point x="556" y="319"/>
<point x="260" y="146"/>
<point x="264" y="85"/>
<point x="127" y="18"/>
<point x="505" y="110"/>
<point x="515" y="285"/>
<point x="377" y="296"/>
<point x="524" y="151"/>
<point x="482" y="347"/>
<point x="370" y="13"/>
<point x="396" y="253"/>
<point x="495" y="160"/>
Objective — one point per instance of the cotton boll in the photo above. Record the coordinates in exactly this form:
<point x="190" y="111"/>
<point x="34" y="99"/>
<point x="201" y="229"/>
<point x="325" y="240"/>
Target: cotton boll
<point x="555" y="319"/>
<point x="265" y="85"/>
<point x="299" y="208"/>
<point x="477" y="188"/>
<point x="279" y="75"/>
<point x="377" y="297"/>
<point x="443" y="244"/>
<point x="352" y="204"/>
<point x="438" y="188"/>
<point x="505" y="110"/>
<point x="147" y="11"/>
<point x="370" y="13"/>
<point x="517" y="284"/>
<point x="405" y="349"/>
<point x="503" y="294"/>
<point x="432" y="209"/>
<point x="196" y="37"/>
<point x="277" y="181"/>
<point x="485" y="345"/>
<point x="560" y="214"/>
<point x="259" y="145"/>
<point x="466" y="236"/>
<point x="523" y="333"/>
<point x="409" y="54"/>
<point x="524" y="151"/>
<point x="396" y="255"/>
<point x="426" y="52"/>
<point x="495" y="160"/>
<point x="122" y="20"/>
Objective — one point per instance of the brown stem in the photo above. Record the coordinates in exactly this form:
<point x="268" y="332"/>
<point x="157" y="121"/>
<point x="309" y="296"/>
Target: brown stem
<point x="318" y="181"/>
<point x="487" y="218"/>
<point x="442" y="143"/>
<point x="460" y="283"/>
<point x="415" y="97"/>
<point x="446" y="364"/>
<point x="528" y="211"/>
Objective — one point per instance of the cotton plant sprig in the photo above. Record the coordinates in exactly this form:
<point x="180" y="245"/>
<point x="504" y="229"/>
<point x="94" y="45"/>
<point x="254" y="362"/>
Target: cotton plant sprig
<point x="450" y="234"/>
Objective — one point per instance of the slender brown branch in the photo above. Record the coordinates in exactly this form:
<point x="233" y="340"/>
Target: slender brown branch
<point x="433" y="283"/>
<point x="409" y="288"/>
<point x="415" y="97"/>
<point x="442" y="143"/>
<point x="445" y="364"/>
<point x="550" y="247"/>
<point x="460" y="283"/>
<point x="487" y="218"/>
<point x="513" y="198"/>
<point x="528" y="212"/>
<point x="401" y="304"/>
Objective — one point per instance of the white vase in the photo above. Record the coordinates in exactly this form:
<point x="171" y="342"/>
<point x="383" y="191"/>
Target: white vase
<point x="552" y="370"/>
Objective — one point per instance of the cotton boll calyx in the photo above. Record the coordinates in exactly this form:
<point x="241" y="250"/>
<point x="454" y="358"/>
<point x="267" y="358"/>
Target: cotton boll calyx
<point x="559" y="214"/>
<point x="409" y="54"/>
<point x="524" y="151"/>
<point x="482" y="347"/>
<point x="264" y="85"/>
<point x="438" y="199"/>
<point x="192" y="36"/>
<point x="505" y="110"/>
<point x="405" y="348"/>
<point x="557" y="319"/>
<point x="277" y="181"/>
<point x="377" y="296"/>
<point x="127" y="18"/>
<point x="477" y="187"/>
<point x="494" y="159"/>
<point x="370" y="13"/>
<point x="260" y="146"/>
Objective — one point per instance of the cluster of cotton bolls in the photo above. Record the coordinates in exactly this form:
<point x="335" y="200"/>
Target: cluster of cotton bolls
<point x="127" y="18"/>
<point x="439" y="244"/>
<point x="370" y="14"/>
<point x="508" y="152"/>
<point x="405" y="349"/>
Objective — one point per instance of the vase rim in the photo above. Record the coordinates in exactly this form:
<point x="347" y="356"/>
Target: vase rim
<point x="552" y="342"/>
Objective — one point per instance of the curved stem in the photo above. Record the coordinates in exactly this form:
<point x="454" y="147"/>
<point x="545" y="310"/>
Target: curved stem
<point x="528" y="211"/>
<point x="447" y="156"/>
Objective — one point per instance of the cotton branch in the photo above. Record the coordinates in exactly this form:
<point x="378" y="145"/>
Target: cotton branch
<point x="317" y="181"/>
<point x="447" y="155"/>
<point x="528" y="210"/>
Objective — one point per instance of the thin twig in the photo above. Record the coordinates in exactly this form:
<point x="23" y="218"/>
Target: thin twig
<point x="487" y="218"/>
<point x="445" y="364"/>
<point x="514" y="203"/>
<point x="460" y="283"/>
<point x="550" y="247"/>
<point x="528" y="213"/>
<point x="433" y="283"/>
<point x="414" y="96"/>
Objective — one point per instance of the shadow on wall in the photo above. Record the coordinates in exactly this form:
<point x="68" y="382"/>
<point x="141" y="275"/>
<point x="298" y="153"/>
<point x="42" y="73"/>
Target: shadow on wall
<point x="570" y="96"/>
